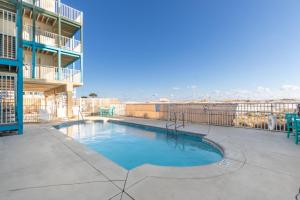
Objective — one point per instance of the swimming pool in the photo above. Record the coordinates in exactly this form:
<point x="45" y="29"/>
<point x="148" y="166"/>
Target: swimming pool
<point x="130" y="145"/>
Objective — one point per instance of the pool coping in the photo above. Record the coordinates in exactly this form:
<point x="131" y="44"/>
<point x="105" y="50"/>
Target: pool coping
<point x="211" y="142"/>
<point x="232" y="161"/>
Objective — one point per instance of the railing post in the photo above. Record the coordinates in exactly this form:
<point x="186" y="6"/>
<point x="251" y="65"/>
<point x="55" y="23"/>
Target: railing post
<point x="72" y="44"/>
<point x="175" y="117"/>
<point x="40" y="72"/>
<point x="33" y="40"/>
<point x="59" y="64"/>
<point x="73" y="72"/>
<point x="81" y="55"/>
<point x="19" y="96"/>
<point x="183" y="119"/>
<point x="59" y="22"/>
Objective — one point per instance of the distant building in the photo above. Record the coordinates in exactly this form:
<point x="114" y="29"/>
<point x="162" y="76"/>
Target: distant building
<point x="164" y="100"/>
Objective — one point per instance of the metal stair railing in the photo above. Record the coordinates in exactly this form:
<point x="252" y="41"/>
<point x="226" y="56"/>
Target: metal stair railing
<point x="176" y="121"/>
<point x="183" y="122"/>
<point x="80" y="114"/>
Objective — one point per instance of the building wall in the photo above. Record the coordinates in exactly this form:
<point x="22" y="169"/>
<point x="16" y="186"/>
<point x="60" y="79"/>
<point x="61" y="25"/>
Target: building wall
<point x="39" y="25"/>
<point x="41" y="59"/>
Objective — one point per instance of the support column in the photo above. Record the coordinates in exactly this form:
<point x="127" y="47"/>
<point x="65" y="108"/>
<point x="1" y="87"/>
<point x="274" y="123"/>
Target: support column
<point x="81" y="56"/>
<point x="81" y="68"/>
<point x="33" y="57"/>
<point x="81" y="33"/>
<point x="73" y="69"/>
<point x="19" y="98"/>
<point x="59" y="23"/>
<point x="59" y="41"/>
<point x="59" y="64"/>
<point x="33" y="61"/>
<point x="69" y="93"/>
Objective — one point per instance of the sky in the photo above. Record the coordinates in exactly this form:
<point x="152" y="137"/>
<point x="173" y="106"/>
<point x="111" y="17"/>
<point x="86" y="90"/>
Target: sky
<point x="191" y="49"/>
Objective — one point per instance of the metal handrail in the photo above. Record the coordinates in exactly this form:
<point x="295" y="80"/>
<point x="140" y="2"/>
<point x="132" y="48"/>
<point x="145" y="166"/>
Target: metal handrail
<point x="181" y="125"/>
<point x="175" y="123"/>
<point x="80" y="114"/>
<point x="172" y="124"/>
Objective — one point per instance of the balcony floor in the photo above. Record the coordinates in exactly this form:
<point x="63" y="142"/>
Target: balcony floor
<point x="42" y="85"/>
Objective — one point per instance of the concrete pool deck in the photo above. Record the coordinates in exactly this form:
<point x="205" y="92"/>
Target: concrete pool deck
<point x="46" y="164"/>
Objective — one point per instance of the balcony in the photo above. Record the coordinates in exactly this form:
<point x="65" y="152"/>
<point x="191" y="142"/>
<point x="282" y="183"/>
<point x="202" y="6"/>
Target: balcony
<point x="61" y="9"/>
<point x="51" y="73"/>
<point x="51" y="39"/>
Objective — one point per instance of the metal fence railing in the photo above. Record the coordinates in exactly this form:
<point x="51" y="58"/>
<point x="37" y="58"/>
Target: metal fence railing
<point x="38" y="113"/>
<point x="245" y="115"/>
<point x="38" y="108"/>
<point x="8" y="98"/>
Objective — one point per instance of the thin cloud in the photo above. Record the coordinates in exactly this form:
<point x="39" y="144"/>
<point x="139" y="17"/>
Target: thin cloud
<point x="260" y="93"/>
<point x="191" y="86"/>
<point x="290" y="88"/>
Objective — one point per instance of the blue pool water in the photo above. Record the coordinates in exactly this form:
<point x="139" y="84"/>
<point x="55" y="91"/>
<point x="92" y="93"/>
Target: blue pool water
<point x="131" y="146"/>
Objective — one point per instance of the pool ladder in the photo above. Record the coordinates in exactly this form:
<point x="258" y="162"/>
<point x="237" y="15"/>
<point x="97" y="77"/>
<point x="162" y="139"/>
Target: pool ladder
<point x="80" y="115"/>
<point x="176" y="123"/>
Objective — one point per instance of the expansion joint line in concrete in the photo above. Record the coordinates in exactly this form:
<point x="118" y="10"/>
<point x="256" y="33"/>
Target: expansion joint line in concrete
<point x="56" y="185"/>
<point x="110" y="198"/>
<point x="123" y="191"/>
<point x="86" y="161"/>
<point x="133" y="184"/>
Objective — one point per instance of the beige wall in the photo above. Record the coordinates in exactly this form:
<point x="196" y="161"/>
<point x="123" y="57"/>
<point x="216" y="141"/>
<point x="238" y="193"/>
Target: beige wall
<point x="27" y="57"/>
<point x="39" y="25"/>
<point x="41" y="59"/>
<point x="143" y="110"/>
<point x="198" y="113"/>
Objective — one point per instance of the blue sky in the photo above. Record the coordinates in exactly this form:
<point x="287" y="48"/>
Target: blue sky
<point x="146" y="49"/>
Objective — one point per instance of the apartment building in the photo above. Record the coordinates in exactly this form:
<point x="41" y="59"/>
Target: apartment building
<point x="41" y="53"/>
